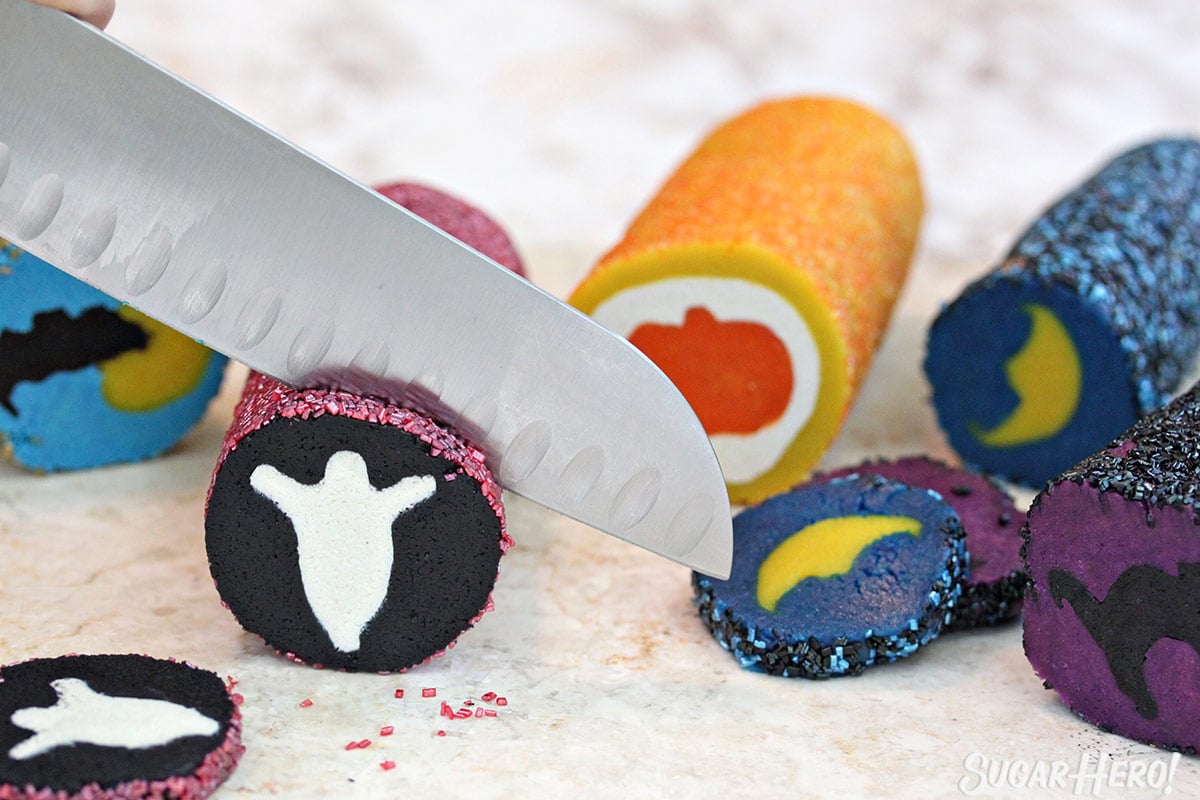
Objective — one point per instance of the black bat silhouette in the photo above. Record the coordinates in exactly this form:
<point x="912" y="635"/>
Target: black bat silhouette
<point x="61" y="343"/>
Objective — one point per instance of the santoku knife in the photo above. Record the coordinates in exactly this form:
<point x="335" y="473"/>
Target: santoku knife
<point x="121" y="174"/>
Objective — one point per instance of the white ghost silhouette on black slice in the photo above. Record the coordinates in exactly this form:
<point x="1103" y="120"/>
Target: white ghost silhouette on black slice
<point x="84" y="716"/>
<point x="343" y="530"/>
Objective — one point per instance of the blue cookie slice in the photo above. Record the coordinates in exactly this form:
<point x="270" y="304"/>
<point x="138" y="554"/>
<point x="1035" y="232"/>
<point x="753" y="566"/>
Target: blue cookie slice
<point x="86" y="381"/>
<point x="1090" y="322"/>
<point x="830" y="578"/>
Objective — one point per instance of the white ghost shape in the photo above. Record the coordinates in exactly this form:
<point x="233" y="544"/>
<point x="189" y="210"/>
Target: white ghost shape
<point x="343" y="530"/>
<point x="84" y="716"/>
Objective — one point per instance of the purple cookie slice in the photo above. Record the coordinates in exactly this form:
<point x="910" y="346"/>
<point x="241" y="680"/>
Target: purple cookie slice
<point x="1112" y="620"/>
<point x="995" y="588"/>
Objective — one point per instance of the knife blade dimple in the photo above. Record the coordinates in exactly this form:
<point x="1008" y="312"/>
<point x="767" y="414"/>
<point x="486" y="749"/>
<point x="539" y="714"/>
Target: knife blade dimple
<point x="233" y="236"/>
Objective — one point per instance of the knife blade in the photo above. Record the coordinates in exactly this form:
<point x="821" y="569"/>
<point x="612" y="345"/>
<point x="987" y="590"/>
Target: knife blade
<point x="123" y="175"/>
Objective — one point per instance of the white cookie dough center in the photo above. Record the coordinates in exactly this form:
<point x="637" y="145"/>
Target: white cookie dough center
<point x="343" y="530"/>
<point x="743" y="458"/>
<point x="84" y="716"/>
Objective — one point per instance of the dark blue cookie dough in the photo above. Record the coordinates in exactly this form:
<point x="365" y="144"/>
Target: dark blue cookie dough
<point x="892" y="597"/>
<point x="1117" y="261"/>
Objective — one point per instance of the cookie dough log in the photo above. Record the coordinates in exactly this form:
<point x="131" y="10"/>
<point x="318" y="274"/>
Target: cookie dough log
<point x="833" y="577"/>
<point x="1112" y="618"/>
<point x="1089" y="322"/>
<point x="348" y="532"/>
<point x="762" y="276"/>
<point x="86" y="381"/>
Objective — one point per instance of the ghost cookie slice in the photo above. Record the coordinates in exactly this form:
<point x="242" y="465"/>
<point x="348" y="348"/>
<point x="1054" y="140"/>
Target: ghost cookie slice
<point x="831" y="578"/>
<point x="1112" y="620"/>
<point x="348" y="532"/>
<point x="114" y="726"/>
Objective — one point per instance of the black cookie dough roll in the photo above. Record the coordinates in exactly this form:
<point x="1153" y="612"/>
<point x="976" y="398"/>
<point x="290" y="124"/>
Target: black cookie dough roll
<point x="1112" y="546"/>
<point x="349" y="532"/>
<point x="1089" y="322"/>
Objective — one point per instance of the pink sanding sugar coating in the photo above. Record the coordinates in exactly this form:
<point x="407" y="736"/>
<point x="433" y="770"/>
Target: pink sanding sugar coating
<point x="212" y="772"/>
<point x="457" y="218"/>
<point x="265" y="399"/>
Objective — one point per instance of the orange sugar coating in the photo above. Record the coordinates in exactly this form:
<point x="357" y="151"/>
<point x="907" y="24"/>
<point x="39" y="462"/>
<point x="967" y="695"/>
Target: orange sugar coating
<point x="827" y="184"/>
<point x="762" y="275"/>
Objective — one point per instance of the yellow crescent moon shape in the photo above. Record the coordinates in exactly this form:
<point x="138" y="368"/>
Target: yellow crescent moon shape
<point x="1048" y="380"/>
<point x="825" y="548"/>
<point x="169" y="367"/>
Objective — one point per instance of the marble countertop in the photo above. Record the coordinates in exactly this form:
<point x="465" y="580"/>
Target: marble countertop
<point x="560" y="120"/>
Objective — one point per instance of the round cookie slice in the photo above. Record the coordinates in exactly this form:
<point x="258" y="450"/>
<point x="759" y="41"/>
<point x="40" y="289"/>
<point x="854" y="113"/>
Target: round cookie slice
<point x="114" y="726"/>
<point x="830" y="578"/>
<point x="351" y="533"/>
<point x="1112" y="620"/>
<point x="995" y="588"/>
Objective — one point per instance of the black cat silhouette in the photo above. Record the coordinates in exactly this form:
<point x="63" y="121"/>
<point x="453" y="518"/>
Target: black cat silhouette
<point x="1144" y="604"/>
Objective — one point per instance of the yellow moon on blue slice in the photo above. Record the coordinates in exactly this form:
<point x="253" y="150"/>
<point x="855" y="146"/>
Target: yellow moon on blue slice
<point x="823" y="549"/>
<point x="1046" y="376"/>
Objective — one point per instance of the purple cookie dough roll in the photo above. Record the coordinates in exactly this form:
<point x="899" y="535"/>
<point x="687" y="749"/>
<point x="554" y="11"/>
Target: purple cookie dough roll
<point x="994" y="589"/>
<point x="1112" y="619"/>
<point x="347" y="531"/>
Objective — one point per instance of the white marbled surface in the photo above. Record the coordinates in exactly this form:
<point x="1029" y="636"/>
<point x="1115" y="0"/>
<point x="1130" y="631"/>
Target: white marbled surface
<point x="560" y="119"/>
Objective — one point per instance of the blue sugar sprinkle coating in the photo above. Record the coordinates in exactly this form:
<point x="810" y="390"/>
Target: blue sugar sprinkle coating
<point x="1117" y="260"/>
<point x="1128" y="242"/>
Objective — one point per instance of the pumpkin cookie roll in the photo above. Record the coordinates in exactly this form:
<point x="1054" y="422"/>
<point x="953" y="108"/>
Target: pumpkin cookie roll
<point x="762" y="276"/>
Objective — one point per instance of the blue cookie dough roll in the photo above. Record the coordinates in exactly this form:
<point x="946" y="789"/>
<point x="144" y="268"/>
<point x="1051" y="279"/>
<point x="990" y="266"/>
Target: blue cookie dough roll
<point x="830" y="578"/>
<point x="1090" y="322"/>
<point x="86" y="381"/>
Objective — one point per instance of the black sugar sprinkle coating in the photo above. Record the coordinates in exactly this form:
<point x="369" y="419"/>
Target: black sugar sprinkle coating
<point x="1127" y="241"/>
<point x="985" y="604"/>
<point x="1156" y="462"/>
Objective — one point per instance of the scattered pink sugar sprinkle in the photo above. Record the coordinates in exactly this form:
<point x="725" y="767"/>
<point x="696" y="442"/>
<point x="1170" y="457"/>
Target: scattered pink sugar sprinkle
<point x="387" y="765"/>
<point x="387" y="730"/>
<point x="429" y="691"/>
<point x="441" y="733"/>
<point x="487" y="697"/>
<point x="306" y="702"/>
<point x="237" y="699"/>
<point x="501" y="701"/>
<point x="399" y="694"/>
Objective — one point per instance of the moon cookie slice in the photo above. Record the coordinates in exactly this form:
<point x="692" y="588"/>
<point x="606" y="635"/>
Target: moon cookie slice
<point x="830" y="578"/>
<point x="114" y="726"/>
<point x="762" y="276"/>
<point x="1112" y="619"/>
<point x="995" y="589"/>
<point x="86" y="381"/>
<point x="1090" y="322"/>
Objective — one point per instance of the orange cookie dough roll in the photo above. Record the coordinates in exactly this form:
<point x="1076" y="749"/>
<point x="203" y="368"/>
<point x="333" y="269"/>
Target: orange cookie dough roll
<point x="762" y="276"/>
